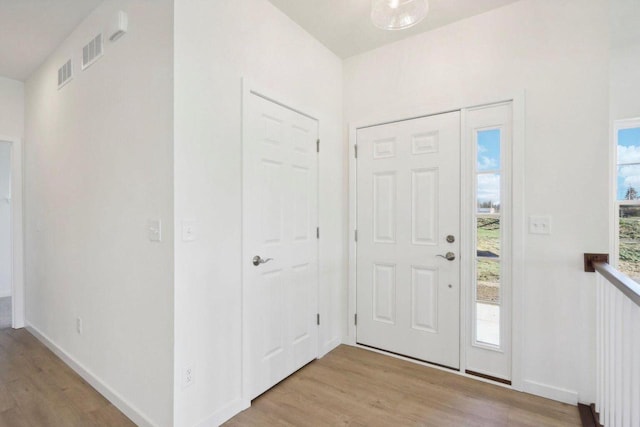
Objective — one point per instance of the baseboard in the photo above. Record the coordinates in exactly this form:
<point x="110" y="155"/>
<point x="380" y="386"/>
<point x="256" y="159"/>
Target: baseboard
<point x="225" y="413"/>
<point x="329" y="345"/>
<point x="550" y="392"/>
<point x="112" y="396"/>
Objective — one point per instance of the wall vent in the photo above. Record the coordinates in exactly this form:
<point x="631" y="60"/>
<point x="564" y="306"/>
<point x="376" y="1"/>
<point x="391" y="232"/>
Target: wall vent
<point x="65" y="74"/>
<point x="92" y="51"/>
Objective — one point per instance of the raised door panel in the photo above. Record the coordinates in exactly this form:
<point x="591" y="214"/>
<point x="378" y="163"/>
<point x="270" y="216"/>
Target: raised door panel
<point x="424" y="207"/>
<point x="384" y="207"/>
<point x="384" y="293"/>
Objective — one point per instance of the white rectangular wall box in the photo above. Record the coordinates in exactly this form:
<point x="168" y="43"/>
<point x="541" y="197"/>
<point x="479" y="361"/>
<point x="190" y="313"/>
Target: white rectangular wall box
<point x="119" y="26"/>
<point x="539" y="224"/>
<point x="154" y="229"/>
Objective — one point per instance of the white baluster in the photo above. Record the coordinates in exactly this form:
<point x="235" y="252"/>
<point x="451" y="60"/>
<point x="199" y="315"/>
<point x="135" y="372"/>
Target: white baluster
<point x="617" y="367"/>
<point x="598" y="342"/>
<point x="626" y="362"/>
<point x="635" y="366"/>
<point x="607" y="417"/>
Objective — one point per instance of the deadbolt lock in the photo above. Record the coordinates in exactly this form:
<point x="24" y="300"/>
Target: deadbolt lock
<point x="451" y="238"/>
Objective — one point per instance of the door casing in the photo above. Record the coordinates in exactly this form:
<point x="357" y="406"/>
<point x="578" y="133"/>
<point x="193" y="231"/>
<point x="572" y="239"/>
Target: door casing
<point x="518" y="100"/>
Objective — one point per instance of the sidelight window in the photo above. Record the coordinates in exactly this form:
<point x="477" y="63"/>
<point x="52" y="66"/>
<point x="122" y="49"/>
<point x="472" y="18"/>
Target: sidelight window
<point x="488" y="215"/>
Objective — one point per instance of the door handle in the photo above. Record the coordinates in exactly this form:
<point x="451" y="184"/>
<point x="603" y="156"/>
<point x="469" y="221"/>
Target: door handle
<point x="257" y="260"/>
<point x="449" y="256"/>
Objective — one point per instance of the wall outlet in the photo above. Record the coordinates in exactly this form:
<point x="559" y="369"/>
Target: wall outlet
<point x="187" y="377"/>
<point x="188" y="231"/>
<point x="79" y="325"/>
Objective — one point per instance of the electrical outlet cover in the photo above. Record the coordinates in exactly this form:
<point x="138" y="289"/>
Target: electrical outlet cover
<point x="189" y="231"/>
<point x="154" y="230"/>
<point x="187" y="377"/>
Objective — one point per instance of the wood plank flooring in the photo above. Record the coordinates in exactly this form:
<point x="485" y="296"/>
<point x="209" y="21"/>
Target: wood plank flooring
<point x="38" y="390"/>
<point x="352" y="386"/>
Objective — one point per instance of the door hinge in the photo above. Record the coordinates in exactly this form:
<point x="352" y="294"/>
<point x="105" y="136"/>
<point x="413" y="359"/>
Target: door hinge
<point x="355" y="147"/>
<point x="317" y="232"/>
<point x="318" y="319"/>
<point x="318" y="145"/>
<point x="355" y="235"/>
<point x="355" y="319"/>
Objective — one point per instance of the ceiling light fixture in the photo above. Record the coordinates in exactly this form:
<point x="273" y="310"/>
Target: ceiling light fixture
<point x="398" y="14"/>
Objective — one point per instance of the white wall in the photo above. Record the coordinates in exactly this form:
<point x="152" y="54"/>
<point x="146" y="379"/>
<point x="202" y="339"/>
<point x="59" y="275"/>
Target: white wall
<point x="625" y="59"/>
<point x="557" y="51"/>
<point x="99" y="164"/>
<point x="216" y="44"/>
<point x="5" y="219"/>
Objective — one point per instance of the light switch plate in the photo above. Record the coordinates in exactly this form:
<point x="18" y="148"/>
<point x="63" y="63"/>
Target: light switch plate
<point x="189" y="231"/>
<point x="540" y="224"/>
<point x="154" y="229"/>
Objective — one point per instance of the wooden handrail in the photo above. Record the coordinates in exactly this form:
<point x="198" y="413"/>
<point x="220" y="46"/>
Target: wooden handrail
<point x="624" y="283"/>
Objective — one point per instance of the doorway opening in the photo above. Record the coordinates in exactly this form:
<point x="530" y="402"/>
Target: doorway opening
<point x="431" y="259"/>
<point x="11" y="236"/>
<point x="5" y="237"/>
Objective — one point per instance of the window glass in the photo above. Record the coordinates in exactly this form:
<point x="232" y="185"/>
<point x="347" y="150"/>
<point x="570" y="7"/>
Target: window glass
<point x="628" y="164"/>
<point x="629" y="241"/>
<point x="488" y="150"/>
<point x="488" y="232"/>
<point x="628" y="182"/>
<point x="488" y="323"/>
<point x="488" y="237"/>
<point x="488" y="290"/>
<point x="488" y="193"/>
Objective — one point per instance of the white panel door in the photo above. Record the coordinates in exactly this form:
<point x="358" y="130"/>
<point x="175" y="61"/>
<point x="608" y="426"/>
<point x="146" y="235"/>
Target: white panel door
<point x="408" y="296"/>
<point x="280" y="216"/>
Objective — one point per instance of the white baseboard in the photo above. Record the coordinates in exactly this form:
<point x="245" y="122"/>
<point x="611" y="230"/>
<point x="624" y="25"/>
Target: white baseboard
<point x="225" y="413"/>
<point x="550" y="392"/>
<point x="531" y="387"/>
<point x="112" y="396"/>
<point x="328" y="346"/>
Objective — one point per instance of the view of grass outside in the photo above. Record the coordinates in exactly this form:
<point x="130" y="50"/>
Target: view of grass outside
<point x="629" y="250"/>
<point x="488" y="269"/>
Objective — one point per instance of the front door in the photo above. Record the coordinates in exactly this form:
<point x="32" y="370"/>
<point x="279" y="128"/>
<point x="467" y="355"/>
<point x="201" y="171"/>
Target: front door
<point x="408" y="258"/>
<point x="280" y="249"/>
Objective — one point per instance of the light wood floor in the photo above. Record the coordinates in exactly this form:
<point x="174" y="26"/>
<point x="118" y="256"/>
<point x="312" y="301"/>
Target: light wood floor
<point x="351" y="386"/>
<point x="37" y="389"/>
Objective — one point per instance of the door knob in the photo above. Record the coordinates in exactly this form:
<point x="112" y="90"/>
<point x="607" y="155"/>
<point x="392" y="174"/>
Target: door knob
<point x="257" y="260"/>
<point x="449" y="256"/>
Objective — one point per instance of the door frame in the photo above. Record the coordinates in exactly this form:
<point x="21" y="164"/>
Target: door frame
<point x="250" y="88"/>
<point x="17" y="231"/>
<point x="518" y="100"/>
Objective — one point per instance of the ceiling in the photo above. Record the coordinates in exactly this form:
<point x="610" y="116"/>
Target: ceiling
<point x="31" y="29"/>
<point x="345" y="28"/>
